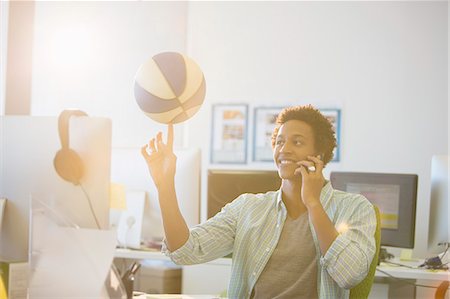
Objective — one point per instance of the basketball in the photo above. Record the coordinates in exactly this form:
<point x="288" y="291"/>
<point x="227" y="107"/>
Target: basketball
<point x="169" y="87"/>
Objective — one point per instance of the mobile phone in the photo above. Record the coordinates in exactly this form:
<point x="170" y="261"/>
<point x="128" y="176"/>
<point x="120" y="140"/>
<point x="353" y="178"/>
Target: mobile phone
<point x="313" y="168"/>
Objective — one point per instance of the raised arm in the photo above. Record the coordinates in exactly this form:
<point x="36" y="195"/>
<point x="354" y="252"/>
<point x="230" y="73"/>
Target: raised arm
<point x="161" y="162"/>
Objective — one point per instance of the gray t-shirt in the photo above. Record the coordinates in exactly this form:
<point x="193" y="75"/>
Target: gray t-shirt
<point x="291" y="271"/>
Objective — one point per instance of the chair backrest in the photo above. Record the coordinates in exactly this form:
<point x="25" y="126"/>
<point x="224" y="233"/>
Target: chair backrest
<point x="362" y="289"/>
<point x="441" y="290"/>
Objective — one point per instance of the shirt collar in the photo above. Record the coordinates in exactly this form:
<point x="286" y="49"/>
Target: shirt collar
<point x="279" y="199"/>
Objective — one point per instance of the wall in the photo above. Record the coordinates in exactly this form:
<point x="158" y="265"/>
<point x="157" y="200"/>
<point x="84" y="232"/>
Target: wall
<point x="3" y="45"/>
<point x="19" y="54"/>
<point x="4" y="6"/>
<point x="383" y="63"/>
<point x="86" y="54"/>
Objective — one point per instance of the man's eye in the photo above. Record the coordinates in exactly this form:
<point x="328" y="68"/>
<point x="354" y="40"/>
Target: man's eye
<point x="298" y="142"/>
<point x="278" y="142"/>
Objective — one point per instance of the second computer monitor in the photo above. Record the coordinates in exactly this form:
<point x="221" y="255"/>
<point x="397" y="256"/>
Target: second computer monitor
<point x="394" y="194"/>
<point x="225" y="185"/>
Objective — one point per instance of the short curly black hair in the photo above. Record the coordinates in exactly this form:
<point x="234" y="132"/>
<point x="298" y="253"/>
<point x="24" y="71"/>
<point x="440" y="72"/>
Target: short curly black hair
<point x="324" y="135"/>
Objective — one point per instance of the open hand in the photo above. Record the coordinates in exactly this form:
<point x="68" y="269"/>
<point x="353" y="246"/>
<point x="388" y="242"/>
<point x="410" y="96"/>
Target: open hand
<point x="161" y="160"/>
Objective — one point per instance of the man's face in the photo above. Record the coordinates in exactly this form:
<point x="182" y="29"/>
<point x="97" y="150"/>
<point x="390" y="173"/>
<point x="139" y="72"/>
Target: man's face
<point x="294" y="142"/>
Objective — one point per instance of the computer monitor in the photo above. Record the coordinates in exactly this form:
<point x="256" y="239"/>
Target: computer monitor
<point x="129" y="169"/>
<point x="225" y="185"/>
<point x="439" y="223"/>
<point x="28" y="145"/>
<point x="394" y="194"/>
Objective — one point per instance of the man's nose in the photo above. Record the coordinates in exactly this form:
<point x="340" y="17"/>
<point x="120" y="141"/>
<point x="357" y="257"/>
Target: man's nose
<point x="286" y="147"/>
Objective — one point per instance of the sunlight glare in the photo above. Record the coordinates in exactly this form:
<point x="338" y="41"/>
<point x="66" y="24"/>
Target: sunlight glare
<point x="71" y="47"/>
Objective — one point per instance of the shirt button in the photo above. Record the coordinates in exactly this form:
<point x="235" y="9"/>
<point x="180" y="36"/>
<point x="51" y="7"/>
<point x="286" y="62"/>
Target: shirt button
<point x="254" y="273"/>
<point x="278" y="225"/>
<point x="267" y="249"/>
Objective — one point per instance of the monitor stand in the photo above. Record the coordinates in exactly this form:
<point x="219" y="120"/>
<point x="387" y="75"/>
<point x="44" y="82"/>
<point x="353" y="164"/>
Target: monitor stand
<point x="384" y="255"/>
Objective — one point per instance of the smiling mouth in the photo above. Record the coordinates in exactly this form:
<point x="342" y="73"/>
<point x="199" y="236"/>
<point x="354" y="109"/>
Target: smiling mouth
<point x="286" y="162"/>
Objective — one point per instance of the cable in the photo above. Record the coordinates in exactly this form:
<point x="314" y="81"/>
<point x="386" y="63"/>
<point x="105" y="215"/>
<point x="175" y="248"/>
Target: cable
<point x="90" y="206"/>
<point x="401" y="265"/>
<point x="447" y="245"/>
<point x="407" y="281"/>
<point x="436" y="262"/>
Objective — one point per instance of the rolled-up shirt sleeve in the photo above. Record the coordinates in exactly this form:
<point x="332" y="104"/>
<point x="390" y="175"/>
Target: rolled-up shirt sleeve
<point x="349" y="257"/>
<point x="210" y="240"/>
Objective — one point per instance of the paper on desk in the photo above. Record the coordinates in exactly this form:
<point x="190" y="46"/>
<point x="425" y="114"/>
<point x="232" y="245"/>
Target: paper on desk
<point x="117" y="197"/>
<point x="69" y="262"/>
<point x="130" y="223"/>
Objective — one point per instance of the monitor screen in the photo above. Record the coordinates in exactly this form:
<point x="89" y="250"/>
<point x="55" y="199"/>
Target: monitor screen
<point x="128" y="168"/>
<point x="394" y="194"/>
<point x="28" y="145"/>
<point x="225" y="185"/>
<point x="438" y="229"/>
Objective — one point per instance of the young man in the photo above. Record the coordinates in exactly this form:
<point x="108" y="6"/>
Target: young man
<point x="305" y="240"/>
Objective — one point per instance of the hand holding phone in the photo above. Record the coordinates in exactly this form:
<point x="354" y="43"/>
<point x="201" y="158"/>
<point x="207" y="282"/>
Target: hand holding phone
<point x="312" y="180"/>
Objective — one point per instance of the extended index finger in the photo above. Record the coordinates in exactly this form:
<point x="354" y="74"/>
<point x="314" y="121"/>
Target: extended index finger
<point x="170" y="136"/>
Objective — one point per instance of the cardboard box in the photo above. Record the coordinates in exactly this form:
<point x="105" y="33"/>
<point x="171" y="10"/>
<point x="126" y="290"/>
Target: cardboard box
<point x="14" y="276"/>
<point x="158" y="277"/>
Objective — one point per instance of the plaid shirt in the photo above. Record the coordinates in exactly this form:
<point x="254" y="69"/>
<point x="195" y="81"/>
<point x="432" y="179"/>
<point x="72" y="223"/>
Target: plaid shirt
<point x="250" y="226"/>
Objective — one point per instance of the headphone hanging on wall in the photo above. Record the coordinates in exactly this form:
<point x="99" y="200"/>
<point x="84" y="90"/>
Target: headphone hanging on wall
<point x="68" y="164"/>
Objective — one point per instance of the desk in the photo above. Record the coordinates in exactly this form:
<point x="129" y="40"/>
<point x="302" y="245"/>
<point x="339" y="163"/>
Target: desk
<point x="385" y="286"/>
<point x="410" y="273"/>
<point x="174" y="296"/>
<point x="193" y="276"/>
<point x="157" y="255"/>
<point x="140" y="254"/>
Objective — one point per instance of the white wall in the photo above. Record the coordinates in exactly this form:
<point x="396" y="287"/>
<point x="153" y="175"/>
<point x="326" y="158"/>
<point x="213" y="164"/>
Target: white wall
<point x="383" y="63"/>
<point x="86" y="55"/>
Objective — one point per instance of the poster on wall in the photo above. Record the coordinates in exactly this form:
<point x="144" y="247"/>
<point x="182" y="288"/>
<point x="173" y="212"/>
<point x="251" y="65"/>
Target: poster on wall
<point x="334" y="117"/>
<point x="229" y="133"/>
<point x="264" y="124"/>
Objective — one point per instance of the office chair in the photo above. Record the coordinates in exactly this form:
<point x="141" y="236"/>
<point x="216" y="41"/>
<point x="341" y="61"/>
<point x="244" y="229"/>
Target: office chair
<point x="362" y="289"/>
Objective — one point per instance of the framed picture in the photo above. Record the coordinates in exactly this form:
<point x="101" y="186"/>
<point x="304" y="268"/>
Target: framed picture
<point x="229" y="133"/>
<point x="334" y="116"/>
<point x="264" y="124"/>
